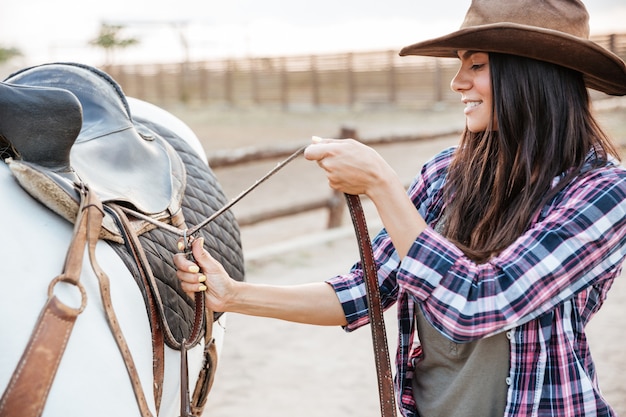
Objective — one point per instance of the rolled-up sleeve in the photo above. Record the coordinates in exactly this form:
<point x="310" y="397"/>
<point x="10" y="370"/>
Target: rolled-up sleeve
<point x="350" y="287"/>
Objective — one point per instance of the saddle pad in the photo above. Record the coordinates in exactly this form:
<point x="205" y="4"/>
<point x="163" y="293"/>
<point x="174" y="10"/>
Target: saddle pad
<point x="202" y="197"/>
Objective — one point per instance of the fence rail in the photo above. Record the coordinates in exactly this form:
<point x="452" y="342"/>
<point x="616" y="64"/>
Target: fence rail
<point x="353" y="80"/>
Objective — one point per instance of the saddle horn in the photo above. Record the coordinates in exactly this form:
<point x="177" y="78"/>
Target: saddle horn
<point x="40" y="124"/>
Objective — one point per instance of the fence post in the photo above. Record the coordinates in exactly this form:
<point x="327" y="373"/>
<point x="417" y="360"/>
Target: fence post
<point x="437" y="81"/>
<point x="351" y="81"/>
<point x="183" y="82"/>
<point x="228" y="83"/>
<point x="612" y="44"/>
<point x="161" y="83"/>
<point x="204" y="82"/>
<point x="315" y="82"/>
<point x="392" y="78"/>
<point x="337" y="202"/>
<point x="254" y="82"/>
<point x="140" y="81"/>
<point x="284" y="85"/>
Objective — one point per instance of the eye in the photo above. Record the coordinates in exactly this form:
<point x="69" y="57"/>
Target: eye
<point x="476" y="67"/>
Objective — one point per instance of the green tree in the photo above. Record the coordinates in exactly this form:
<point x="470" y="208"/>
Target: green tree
<point x="110" y="40"/>
<point x="6" y="54"/>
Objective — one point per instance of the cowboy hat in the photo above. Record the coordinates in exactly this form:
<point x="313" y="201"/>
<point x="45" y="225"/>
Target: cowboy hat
<point x="555" y="31"/>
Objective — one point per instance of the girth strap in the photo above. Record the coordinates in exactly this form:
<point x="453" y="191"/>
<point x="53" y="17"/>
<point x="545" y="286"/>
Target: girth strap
<point x="377" y="322"/>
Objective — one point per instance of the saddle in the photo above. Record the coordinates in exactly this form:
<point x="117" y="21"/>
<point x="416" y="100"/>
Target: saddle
<point x="123" y="163"/>
<point x="65" y="126"/>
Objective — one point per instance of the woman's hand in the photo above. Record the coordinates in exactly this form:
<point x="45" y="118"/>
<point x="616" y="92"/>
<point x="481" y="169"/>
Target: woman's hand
<point x="354" y="168"/>
<point x="351" y="167"/>
<point x="206" y="275"/>
<point x="311" y="303"/>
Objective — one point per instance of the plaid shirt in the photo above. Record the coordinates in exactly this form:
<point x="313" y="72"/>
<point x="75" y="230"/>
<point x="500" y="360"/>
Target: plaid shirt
<point x="543" y="289"/>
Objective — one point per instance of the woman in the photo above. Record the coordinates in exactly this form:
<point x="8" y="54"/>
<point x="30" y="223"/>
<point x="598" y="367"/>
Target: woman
<point x="504" y="247"/>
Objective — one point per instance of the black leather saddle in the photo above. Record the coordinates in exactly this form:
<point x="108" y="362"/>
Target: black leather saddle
<point x="122" y="162"/>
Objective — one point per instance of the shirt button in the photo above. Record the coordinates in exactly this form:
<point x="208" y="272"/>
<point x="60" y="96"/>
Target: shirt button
<point x="509" y="334"/>
<point x="508" y="380"/>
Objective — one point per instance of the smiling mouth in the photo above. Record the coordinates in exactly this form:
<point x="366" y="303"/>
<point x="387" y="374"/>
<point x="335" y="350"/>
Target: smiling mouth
<point x="471" y="105"/>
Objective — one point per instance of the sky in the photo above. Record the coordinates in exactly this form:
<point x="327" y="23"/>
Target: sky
<point x="170" y="31"/>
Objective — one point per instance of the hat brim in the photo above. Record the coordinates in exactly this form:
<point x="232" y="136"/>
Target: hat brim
<point x="602" y="70"/>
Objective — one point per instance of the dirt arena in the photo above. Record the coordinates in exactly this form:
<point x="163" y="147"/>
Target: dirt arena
<point x="272" y="368"/>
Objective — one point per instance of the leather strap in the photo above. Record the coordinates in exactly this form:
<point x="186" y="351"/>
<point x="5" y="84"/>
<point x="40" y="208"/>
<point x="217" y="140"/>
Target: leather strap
<point x="158" y="333"/>
<point x="209" y="366"/>
<point x="375" y="311"/>
<point x="158" y="339"/>
<point x="27" y="391"/>
<point x="116" y="330"/>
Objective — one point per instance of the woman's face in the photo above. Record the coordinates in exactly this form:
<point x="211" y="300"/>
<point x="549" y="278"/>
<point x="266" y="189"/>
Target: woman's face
<point x="473" y="82"/>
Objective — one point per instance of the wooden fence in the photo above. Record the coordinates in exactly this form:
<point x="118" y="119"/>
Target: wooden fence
<point x="334" y="202"/>
<point x="361" y="80"/>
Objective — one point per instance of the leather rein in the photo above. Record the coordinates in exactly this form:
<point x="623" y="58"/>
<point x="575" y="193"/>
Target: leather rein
<point x="56" y="321"/>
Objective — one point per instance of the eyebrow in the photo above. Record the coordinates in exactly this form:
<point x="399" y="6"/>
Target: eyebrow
<point x="467" y="54"/>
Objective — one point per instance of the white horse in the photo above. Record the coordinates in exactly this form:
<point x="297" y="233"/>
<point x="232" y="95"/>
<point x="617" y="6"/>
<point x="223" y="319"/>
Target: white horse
<point x="92" y="379"/>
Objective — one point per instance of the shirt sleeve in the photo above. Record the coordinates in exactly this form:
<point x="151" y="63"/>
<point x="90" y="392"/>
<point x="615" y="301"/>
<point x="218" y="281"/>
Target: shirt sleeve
<point x="579" y="240"/>
<point x="350" y="288"/>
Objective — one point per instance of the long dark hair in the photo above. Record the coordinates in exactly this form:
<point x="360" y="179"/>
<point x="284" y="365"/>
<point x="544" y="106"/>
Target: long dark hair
<point x="500" y="179"/>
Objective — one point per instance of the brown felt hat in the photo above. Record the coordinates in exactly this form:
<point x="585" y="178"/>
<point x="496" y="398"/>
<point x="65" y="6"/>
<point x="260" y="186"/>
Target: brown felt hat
<point x="555" y="31"/>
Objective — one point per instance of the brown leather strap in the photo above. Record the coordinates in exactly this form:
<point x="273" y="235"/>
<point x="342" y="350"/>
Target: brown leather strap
<point x="158" y="338"/>
<point x="185" y="404"/>
<point x="157" y="315"/>
<point x="377" y="322"/>
<point x="27" y="391"/>
<point x="105" y="293"/>
<point x="209" y="366"/>
<point x="30" y="384"/>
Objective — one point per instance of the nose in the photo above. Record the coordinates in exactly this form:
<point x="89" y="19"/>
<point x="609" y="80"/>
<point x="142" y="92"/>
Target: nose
<point x="460" y="82"/>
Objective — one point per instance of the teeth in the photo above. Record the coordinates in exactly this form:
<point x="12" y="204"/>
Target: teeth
<point x="472" y="104"/>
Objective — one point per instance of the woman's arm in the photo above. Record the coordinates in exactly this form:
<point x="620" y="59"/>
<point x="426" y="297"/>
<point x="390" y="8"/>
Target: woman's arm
<point x="314" y="303"/>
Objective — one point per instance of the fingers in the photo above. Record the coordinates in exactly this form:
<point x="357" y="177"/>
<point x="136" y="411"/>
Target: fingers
<point x="188" y="272"/>
<point x="319" y="148"/>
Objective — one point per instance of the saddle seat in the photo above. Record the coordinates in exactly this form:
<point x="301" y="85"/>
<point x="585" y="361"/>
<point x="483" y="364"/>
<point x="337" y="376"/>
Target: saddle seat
<point x="123" y="162"/>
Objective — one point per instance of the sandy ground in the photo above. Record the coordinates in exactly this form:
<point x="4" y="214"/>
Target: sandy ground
<point x="272" y="368"/>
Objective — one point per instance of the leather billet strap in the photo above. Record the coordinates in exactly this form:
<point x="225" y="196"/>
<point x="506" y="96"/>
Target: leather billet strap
<point x="116" y="330"/>
<point x="375" y="311"/>
<point x="27" y="391"/>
